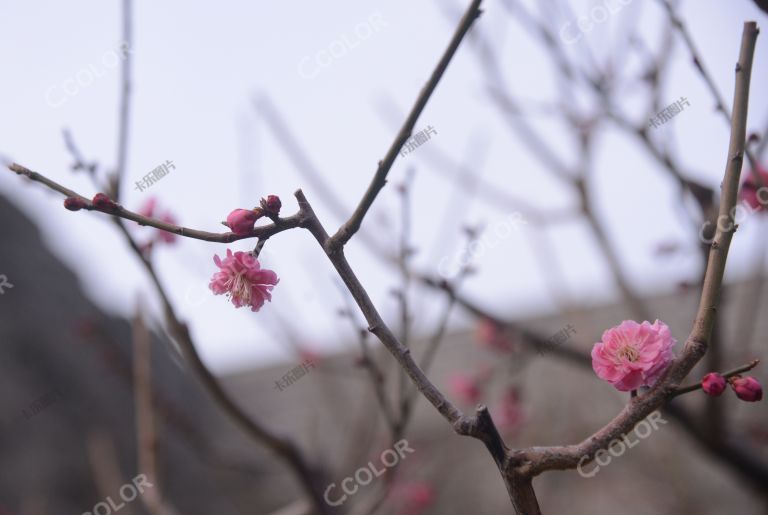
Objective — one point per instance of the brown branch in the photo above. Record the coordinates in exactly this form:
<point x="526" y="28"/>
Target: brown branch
<point x="539" y="459"/>
<point x="351" y="226"/>
<point x="261" y="232"/>
<point x="103" y="462"/>
<point x="146" y="435"/>
<point x="376" y="324"/>
<point x="283" y="447"/>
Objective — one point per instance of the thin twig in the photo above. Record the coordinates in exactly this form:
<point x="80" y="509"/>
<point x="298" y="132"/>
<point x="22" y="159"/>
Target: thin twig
<point x="125" y="101"/>
<point x="351" y="226"/>
<point x="539" y="459"/>
<point x="262" y="232"/>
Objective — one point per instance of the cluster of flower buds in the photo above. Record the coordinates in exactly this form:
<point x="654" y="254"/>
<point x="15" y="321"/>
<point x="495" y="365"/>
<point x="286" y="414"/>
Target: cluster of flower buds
<point x="747" y="388"/>
<point x="100" y="201"/>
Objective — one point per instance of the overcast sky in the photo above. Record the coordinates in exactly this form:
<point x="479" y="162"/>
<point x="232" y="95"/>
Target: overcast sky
<point x="343" y="75"/>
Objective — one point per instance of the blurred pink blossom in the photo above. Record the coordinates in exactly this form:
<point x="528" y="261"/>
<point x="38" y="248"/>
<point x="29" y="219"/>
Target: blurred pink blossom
<point x="149" y="209"/>
<point x="511" y="414"/>
<point x="751" y="194"/>
<point x="165" y="236"/>
<point x="467" y="388"/>
<point x="416" y="497"/>
<point x="490" y="335"/>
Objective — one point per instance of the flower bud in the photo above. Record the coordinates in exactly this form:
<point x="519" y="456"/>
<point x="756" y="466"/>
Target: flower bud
<point x="241" y="221"/>
<point x="713" y="384"/>
<point x="271" y="205"/>
<point x="103" y="203"/>
<point x="747" y="388"/>
<point x="74" y="203"/>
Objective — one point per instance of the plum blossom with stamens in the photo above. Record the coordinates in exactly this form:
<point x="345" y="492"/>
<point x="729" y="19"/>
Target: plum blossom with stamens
<point x="632" y="355"/>
<point x="243" y="280"/>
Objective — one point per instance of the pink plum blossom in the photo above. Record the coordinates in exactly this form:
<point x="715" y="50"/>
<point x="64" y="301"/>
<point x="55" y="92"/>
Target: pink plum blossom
<point x="632" y="355"/>
<point x="242" y="279"/>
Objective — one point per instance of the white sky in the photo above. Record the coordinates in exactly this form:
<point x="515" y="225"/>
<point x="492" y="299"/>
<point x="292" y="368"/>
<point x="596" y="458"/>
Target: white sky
<point x="197" y="68"/>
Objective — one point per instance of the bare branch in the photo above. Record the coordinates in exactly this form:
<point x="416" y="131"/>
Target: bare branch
<point x="351" y="226"/>
<point x="262" y="232"/>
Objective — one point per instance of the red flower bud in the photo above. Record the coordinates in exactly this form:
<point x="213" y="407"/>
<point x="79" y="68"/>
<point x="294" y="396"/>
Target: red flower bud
<point x="713" y="384"/>
<point x="241" y="220"/>
<point x="747" y="388"/>
<point x="74" y="203"/>
<point x="271" y="205"/>
<point x="103" y="203"/>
